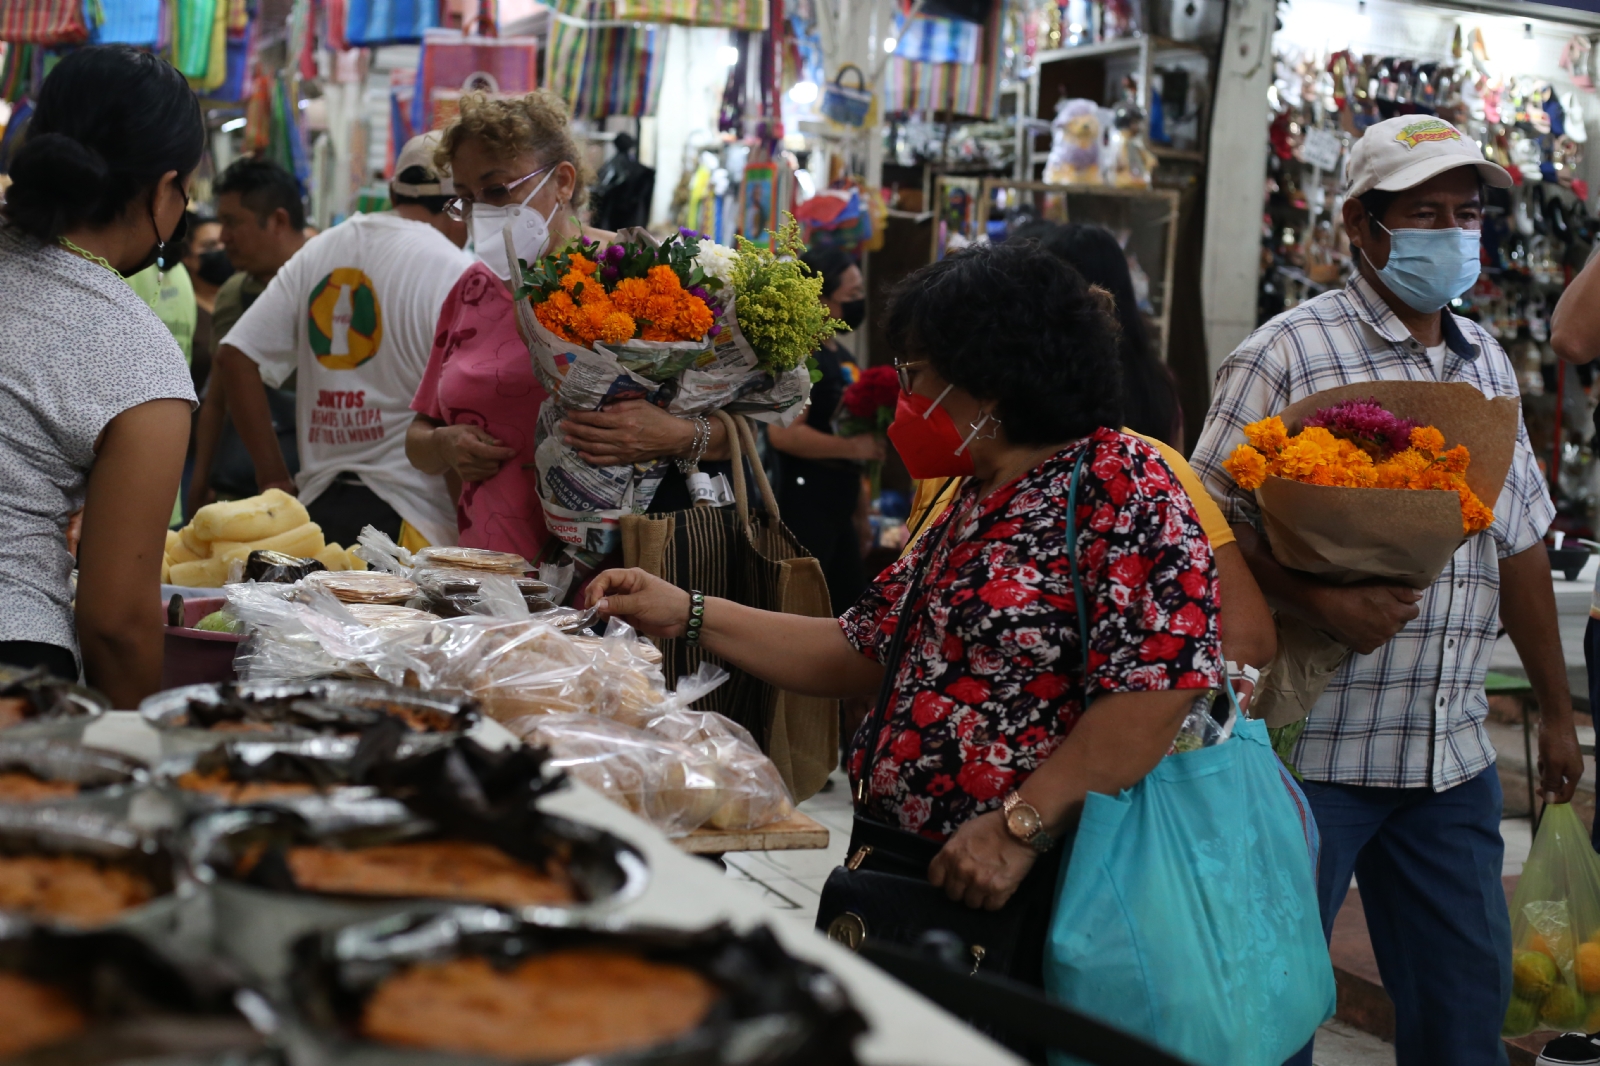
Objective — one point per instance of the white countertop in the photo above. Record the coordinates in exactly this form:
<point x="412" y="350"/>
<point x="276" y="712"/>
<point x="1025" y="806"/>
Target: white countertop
<point x="688" y="892"/>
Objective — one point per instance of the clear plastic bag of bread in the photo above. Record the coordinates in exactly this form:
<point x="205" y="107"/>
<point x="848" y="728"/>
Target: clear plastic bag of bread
<point x="302" y="631"/>
<point x="753" y="792"/>
<point x="673" y="786"/>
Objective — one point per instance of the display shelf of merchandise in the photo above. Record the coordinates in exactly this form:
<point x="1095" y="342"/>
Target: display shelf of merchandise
<point x="798" y="832"/>
<point x="1145" y="220"/>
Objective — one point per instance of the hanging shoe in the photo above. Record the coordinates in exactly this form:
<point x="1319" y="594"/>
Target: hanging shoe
<point x="1571" y="1049"/>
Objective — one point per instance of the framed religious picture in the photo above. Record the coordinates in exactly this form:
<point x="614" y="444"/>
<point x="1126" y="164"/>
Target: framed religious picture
<point x="757" y="203"/>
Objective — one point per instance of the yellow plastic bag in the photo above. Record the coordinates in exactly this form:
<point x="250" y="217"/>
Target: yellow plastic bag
<point x="1555" y="931"/>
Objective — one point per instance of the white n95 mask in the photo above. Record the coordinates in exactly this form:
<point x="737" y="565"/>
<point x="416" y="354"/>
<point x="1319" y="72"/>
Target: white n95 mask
<point x="521" y="228"/>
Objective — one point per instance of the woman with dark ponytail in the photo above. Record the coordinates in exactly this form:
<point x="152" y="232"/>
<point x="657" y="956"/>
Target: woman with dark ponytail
<point x="94" y="393"/>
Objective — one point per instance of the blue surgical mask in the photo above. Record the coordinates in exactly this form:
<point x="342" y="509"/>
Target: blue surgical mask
<point x="1428" y="268"/>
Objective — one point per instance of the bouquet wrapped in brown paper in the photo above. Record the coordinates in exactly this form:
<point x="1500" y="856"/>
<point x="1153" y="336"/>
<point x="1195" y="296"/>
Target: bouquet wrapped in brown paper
<point x="1378" y="480"/>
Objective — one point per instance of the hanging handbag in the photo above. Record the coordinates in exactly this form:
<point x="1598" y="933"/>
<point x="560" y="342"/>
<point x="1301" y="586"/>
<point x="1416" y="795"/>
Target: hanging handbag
<point x="47" y="22"/>
<point x="750" y="558"/>
<point x="882" y="893"/>
<point x="845" y="105"/>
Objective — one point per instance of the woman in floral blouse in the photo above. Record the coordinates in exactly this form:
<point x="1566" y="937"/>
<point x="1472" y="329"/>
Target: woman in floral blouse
<point x="990" y="694"/>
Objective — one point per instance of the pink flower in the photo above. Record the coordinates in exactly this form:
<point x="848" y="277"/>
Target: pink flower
<point x="1366" y="424"/>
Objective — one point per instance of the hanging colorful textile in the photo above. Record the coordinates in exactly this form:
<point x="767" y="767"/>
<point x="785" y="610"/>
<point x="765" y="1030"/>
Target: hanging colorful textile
<point x="216" y="71"/>
<point x="135" y="22"/>
<point x="48" y="22"/>
<point x="192" y="47"/>
<point x="232" y="89"/>
<point x="968" y="89"/>
<point x="12" y="135"/>
<point x="16" y="73"/>
<point x="333" y="35"/>
<point x="451" y="64"/>
<point x="930" y="40"/>
<point x="732" y="14"/>
<point x="374" y="22"/>
<point x="600" y="66"/>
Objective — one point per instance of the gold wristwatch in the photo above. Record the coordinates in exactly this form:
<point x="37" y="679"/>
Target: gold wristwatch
<point x="1025" y="823"/>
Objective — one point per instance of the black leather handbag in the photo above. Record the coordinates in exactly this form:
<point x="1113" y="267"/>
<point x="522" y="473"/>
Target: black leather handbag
<point x="882" y="895"/>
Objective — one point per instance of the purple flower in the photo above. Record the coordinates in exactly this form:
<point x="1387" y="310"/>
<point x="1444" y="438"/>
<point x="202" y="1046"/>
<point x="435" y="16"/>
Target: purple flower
<point x="610" y="273"/>
<point x="1366" y="424"/>
<point x="700" y="292"/>
<point x="682" y="232"/>
<point x="614" y="254"/>
<point x="716" y="329"/>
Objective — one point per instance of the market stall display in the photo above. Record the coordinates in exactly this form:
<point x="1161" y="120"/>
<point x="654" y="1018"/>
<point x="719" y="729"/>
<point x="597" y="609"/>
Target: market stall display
<point x="42" y="769"/>
<point x="202" y="553"/>
<point x="296" y="710"/>
<point x="79" y="871"/>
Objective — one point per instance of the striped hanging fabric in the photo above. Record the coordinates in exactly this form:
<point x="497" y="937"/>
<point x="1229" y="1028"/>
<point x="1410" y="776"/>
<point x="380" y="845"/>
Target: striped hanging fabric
<point x="48" y="22"/>
<point x="732" y="14"/>
<point x="16" y="73"/>
<point x="967" y="89"/>
<point x="599" y="67"/>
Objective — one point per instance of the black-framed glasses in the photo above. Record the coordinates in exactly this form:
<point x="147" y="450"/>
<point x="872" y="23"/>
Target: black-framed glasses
<point x="457" y="208"/>
<point x="903" y="371"/>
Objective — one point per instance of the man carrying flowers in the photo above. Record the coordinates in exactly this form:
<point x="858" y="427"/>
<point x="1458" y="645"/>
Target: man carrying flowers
<point x="1397" y="765"/>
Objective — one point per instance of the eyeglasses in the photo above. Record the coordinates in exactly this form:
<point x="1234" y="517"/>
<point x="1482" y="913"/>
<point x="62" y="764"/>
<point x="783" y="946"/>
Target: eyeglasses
<point x="903" y="371"/>
<point x="457" y="208"/>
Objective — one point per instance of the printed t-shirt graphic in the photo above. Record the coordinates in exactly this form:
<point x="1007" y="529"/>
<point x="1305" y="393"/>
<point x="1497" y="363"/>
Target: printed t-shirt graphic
<point x="354" y="313"/>
<point x="345" y="319"/>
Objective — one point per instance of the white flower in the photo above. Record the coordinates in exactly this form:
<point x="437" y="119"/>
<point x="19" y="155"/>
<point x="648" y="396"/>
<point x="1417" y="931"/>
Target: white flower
<point x="717" y="261"/>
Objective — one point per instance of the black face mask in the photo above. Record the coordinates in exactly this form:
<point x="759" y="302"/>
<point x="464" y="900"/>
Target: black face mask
<point x="164" y="256"/>
<point x="853" y="312"/>
<point x="215" y="267"/>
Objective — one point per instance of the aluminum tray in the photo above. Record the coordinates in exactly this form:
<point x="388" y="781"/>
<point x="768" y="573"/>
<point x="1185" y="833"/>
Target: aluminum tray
<point x="774" y="1010"/>
<point x="254" y="926"/>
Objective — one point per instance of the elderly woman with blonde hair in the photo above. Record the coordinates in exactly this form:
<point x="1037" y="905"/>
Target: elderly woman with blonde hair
<point x="518" y="176"/>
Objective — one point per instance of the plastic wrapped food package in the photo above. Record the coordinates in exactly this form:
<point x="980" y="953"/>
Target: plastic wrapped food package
<point x="668" y="784"/>
<point x="452" y="591"/>
<point x="753" y="791"/>
<point x="479" y="560"/>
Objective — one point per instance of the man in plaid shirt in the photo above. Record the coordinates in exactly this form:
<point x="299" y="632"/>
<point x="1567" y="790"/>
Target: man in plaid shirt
<point x="1397" y="765"/>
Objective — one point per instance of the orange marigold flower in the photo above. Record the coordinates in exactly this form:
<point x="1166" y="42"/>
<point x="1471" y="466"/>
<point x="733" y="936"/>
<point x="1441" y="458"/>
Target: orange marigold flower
<point x="1247" y="466"/>
<point x="1456" y="459"/>
<point x="616" y="327"/>
<point x="631" y="295"/>
<point x="1475" y="517"/>
<point x="664" y="281"/>
<point x="583" y="264"/>
<point x="1268" y="435"/>
<point x="1427" y="439"/>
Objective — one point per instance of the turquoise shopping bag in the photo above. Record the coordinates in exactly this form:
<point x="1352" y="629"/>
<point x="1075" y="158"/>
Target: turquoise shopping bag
<point x="1187" y="911"/>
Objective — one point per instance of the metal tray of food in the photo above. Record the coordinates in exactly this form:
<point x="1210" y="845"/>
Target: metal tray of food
<point x="246" y="858"/>
<point x="38" y="770"/>
<point x="476" y="985"/>
<point x="88" y="999"/>
<point x="297" y="709"/>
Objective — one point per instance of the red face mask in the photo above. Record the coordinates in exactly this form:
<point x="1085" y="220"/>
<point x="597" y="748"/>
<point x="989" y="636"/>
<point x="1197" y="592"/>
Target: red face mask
<point x="927" y="439"/>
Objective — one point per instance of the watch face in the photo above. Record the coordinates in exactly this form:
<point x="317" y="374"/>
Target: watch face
<point x="1024" y="821"/>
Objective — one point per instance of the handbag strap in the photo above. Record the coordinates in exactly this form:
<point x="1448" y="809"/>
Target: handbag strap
<point x="742" y="443"/>
<point x="741" y="492"/>
<point x="891" y="660"/>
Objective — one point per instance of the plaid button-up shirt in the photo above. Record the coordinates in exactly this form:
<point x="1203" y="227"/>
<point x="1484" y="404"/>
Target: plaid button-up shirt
<point x="1411" y="714"/>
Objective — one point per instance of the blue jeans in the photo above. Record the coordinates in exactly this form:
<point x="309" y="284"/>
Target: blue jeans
<point x="1428" y="866"/>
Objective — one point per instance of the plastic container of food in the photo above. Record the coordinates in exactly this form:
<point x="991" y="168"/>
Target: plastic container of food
<point x="196" y="656"/>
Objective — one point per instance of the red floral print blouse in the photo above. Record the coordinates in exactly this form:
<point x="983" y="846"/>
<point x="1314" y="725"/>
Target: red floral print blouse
<point x="991" y="678"/>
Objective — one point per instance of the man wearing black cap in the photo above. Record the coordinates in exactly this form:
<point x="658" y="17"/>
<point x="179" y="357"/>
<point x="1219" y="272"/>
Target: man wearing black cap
<point x="353" y="313"/>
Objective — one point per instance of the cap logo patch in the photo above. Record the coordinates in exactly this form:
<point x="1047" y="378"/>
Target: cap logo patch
<point x="1429" y="129"/>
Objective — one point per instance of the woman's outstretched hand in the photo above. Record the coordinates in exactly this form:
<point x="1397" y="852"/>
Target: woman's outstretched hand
<point x="652" y="606"/>
<point x="981" y="864"/>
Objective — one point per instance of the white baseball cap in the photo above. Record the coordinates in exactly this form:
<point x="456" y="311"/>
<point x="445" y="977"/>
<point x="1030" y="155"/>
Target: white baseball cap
<point x="1403" y="152"/>
<point x="418" y="152"/>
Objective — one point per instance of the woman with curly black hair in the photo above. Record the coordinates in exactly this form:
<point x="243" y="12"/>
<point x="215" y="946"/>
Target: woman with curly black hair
<point x="985" y="743"/>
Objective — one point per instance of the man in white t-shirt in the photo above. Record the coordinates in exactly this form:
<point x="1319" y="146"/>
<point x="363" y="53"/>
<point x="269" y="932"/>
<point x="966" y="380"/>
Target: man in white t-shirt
<point x="354" y="312"/>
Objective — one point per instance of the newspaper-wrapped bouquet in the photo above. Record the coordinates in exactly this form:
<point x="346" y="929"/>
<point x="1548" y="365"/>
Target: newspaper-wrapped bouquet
<point x="685" y="324"/>
<point x="1378" y="480"/>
